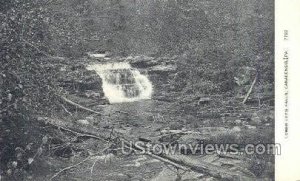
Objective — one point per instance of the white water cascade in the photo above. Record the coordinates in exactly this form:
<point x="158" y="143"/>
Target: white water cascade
<point x="122" y="83"/>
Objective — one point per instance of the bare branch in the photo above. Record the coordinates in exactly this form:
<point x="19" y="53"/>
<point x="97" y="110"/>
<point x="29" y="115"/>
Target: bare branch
<point x="250" y="90"/>
<point x="78" y="105"/>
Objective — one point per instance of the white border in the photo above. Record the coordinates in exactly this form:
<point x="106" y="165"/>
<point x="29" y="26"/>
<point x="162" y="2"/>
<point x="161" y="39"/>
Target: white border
<point x="287" y="17"/>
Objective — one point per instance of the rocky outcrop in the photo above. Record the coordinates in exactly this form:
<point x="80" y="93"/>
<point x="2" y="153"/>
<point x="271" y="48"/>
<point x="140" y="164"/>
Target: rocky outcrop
<point x="78" y="81"/>
<point x="152" y="64"/>
<point x="77" y="78"/>
<point x="160" y="70"/>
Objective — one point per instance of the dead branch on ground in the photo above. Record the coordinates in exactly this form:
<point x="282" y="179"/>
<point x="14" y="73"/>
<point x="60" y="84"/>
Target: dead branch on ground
<point x="66" y="110"/>
<point x="79" y="133"/>
<point x="78" y="105"/>
<point x="77" y="164"/>
<point x="85" y="108"/>
<point x="180" y="162"/>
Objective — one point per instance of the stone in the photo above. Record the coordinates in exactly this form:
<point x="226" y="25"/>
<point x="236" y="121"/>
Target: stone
<point x="238" y="121"/>
<point x="90" y="118"/>
<point x="204" y="100"/>
<point x="83" y="121"/>
<point x="163" y="68"/>
<point x="255" y="119"/>
<point x="250" y="127"/>
<point x="236" y="129"/>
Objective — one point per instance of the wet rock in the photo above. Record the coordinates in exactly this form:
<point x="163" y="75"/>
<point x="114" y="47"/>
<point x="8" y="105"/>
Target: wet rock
<point x="143" y="61"/>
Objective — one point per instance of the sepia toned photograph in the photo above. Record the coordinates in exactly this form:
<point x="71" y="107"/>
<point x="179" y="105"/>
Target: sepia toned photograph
<point x="137" y="90"/>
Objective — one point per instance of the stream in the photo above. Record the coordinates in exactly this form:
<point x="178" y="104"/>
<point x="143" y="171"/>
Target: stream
<point x="142" y="109"/>
<point x="122" y="83"/>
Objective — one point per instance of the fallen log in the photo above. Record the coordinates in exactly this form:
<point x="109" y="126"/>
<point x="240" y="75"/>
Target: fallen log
<point x="179" y="161"/>
<point x="78" y="105"/>
<point x="85" y="108"/>
<point x="210" y="169"/>
<point x="77" y="164"/>
<point x="179" y="132"/>
<point x="74" y="129"/>
<point x="188" y="164"/>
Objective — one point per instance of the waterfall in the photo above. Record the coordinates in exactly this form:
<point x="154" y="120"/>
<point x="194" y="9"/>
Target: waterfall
<point x="122" y="83"/>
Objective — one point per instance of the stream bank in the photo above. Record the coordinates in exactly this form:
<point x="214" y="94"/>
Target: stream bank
<point x="171" y="116"/>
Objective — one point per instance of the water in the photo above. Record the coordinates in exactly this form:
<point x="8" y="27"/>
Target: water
<point x="126" y="86"/>
<point x="122" y="83"/>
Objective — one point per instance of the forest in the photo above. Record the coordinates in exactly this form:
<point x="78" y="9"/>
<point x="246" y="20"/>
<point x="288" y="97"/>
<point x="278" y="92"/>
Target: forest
<point x="211" y="63"/>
